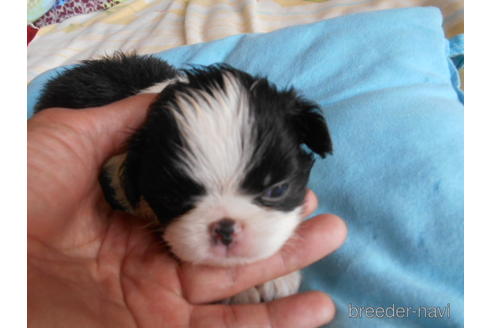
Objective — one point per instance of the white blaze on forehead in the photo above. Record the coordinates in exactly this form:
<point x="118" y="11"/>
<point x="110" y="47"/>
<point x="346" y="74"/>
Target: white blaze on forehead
<point x="217" y="131"/>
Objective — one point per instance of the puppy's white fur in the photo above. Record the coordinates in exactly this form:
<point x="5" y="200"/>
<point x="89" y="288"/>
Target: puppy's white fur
<point x="218" y="130"/>
<point x="280" y="287"/>
<point x="158" y="87"/>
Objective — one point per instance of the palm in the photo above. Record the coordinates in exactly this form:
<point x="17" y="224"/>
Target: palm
<point x="98" y="267"/>
<point x="110" y="249"/>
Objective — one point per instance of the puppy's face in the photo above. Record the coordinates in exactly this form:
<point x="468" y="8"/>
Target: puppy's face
<point x="220" y="164"/>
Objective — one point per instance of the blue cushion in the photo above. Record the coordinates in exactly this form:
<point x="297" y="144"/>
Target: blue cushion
<point x="389" y="90"/>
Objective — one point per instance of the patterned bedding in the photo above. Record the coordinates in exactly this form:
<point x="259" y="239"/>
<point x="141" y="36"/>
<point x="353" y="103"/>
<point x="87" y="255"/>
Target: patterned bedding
<point x="64" y="9"/>
<point x="149" y="26"/>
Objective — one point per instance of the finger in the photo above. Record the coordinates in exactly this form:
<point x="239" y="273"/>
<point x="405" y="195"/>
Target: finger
<point x="315" y="239"/>
<point x="310" y="203"/>
<point x="115" y="123"/>
<point x="311" y="309"/>
<point x="99" y="132"/>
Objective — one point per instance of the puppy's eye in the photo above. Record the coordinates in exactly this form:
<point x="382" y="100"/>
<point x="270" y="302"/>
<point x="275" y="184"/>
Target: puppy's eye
<point x="275" y="192"/>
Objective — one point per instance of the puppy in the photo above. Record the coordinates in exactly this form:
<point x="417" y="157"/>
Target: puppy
<point x="221" y="162"/>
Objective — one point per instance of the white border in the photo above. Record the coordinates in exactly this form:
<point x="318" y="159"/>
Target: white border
<point x="13" y="166"/>
<point x="478" y="163"/>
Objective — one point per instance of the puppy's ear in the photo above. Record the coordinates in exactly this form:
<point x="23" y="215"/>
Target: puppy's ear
<point x="154" y="144"/>
<point x="310" y="125"/>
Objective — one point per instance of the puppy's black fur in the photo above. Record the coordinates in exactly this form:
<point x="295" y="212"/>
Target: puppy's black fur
<point x="100" y="82"/>
<point x="153" y="170"/>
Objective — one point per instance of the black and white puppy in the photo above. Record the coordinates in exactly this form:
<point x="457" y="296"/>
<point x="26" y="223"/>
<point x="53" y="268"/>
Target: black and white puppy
<point x="219" y="163"/>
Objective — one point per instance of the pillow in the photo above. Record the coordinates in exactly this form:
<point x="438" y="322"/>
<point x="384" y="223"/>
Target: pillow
<point x="390" y="94"/>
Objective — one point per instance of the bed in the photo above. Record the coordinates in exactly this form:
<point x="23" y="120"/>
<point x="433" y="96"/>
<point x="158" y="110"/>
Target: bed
<point x="148" y="26"/>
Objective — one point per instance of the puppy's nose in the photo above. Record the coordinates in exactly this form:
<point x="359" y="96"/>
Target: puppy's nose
<point x="223" y="231"/>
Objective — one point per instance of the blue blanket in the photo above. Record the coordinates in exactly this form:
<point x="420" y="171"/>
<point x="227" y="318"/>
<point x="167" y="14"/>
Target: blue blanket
<point x="389" y="88"/>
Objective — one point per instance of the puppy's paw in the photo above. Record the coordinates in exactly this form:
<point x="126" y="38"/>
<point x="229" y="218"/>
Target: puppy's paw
<point x="269" y="291"/>
<point x="249" y="296"/>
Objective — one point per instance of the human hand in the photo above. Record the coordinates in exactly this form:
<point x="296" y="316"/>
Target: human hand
<point x="90" y="266"/>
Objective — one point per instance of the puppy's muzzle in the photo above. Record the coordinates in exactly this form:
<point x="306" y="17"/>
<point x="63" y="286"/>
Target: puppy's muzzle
<point x="223" y="231"/>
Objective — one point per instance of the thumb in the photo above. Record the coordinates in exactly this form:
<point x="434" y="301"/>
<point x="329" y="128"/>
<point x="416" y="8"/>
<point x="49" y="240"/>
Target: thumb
<point x="66" y="149"/>
<point x="111" y="125"/>
<point x="97" y="133"/>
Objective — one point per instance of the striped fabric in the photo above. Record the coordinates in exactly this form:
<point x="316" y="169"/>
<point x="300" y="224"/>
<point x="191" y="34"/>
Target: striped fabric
<point x="149" y="26"/>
